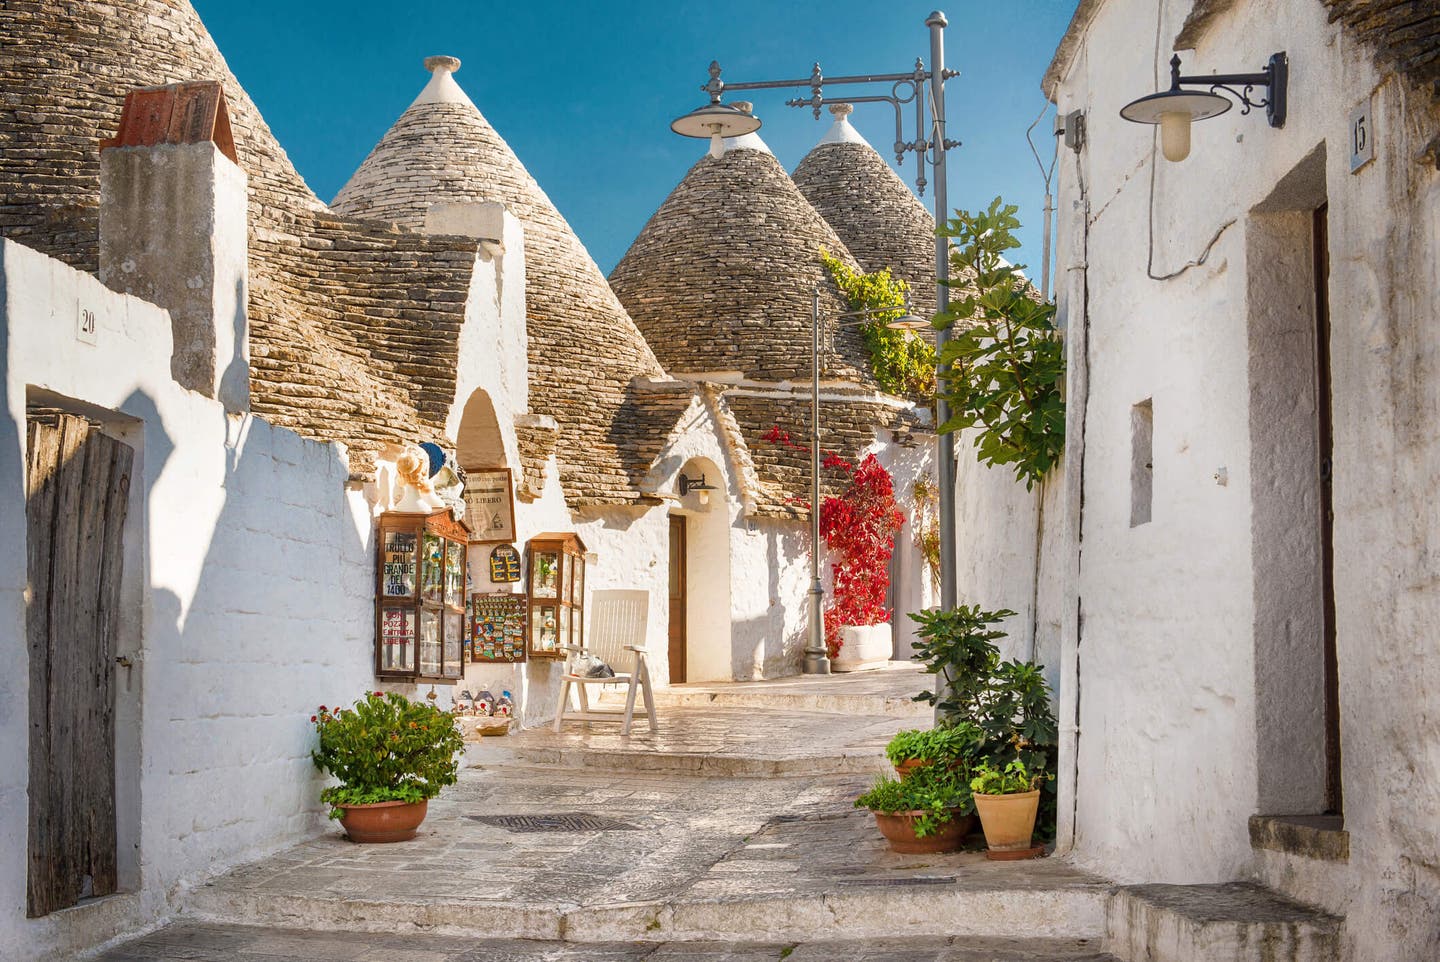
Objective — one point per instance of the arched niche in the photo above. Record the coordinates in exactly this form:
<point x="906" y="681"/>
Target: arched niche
<point x="478" y="443"/>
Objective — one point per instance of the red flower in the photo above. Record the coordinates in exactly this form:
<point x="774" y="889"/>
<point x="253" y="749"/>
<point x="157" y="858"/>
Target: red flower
<point x="379" y="694"/>
<point x="322" y="707"/>
<point x="312" y="718"/>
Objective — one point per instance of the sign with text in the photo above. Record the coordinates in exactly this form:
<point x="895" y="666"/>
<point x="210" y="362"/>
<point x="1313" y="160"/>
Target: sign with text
<point x="1362" y="136"/>
<point x="490" y="505"/>
<point x="86" y="326"/>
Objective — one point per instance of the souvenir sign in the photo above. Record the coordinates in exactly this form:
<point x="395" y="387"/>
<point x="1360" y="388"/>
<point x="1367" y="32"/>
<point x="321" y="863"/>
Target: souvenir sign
<point x="489" y="505"/>
<point x="505" y="565"/>
<point x="497" y="627"/>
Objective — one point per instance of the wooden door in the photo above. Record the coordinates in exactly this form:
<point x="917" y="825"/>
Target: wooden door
<point x="677" y="599"/>
<point x="77" y="483"/>
<point x="1320" y="239"/>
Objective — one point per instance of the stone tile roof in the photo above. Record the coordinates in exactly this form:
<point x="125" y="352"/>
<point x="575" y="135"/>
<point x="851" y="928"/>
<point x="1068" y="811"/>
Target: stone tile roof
<point x="584" y="350"/>
<point x="720" y="278"/>
<point x="849" y="427"/>
<point x="351" y="324"/>
<point x="880" y="220"/>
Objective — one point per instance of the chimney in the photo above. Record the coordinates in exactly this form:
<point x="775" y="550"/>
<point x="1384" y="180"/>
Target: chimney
<point x="173" y="231"/>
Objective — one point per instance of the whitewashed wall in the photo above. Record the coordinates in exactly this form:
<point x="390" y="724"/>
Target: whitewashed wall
<point x="1167" y="672"/>
<point x="248" y="587"/>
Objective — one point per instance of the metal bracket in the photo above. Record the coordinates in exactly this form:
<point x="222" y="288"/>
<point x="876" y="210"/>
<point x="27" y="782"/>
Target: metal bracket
<point x="1275" y="78"/>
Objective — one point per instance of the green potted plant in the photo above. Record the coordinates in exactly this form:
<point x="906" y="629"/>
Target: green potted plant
<point x="1009" y="701"/>
<point x="1007" y="800"/>
<point x="392" y="756"/>
<point x="952" y="745"/>
<point x="929" y="811"/>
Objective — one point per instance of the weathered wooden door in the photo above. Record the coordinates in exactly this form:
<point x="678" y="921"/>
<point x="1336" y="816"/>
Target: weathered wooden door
<point x="677" y="599"/>
<point x="77" y="482"/>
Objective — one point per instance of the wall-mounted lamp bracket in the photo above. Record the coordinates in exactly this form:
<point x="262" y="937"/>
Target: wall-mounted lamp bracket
<point x="1274" y="78"/>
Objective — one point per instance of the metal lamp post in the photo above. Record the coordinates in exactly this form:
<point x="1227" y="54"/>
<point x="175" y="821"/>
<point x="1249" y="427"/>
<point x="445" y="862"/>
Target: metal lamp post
<point x="817" y="659"/>
<point x="715" y="119"/>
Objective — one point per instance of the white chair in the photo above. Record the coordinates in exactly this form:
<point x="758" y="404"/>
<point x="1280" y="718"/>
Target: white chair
<point x="617" y="625"/>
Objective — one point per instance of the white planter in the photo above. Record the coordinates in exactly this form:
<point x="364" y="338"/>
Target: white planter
<point x="863" y="647"/>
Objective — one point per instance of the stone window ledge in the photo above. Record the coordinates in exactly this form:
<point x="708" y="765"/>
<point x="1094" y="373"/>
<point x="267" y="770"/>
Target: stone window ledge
<point x="1320" y="837"/>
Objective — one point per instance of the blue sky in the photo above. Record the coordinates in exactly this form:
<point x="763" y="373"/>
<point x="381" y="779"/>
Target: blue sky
<point x="584" y="91"/>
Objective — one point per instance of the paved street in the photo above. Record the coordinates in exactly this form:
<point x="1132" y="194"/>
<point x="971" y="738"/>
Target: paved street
<point x="728" y="835"/>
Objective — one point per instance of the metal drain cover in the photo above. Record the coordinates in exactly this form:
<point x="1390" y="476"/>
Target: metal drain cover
<point x="556" y="822"/>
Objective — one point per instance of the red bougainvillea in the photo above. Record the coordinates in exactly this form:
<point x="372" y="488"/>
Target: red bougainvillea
<point x="859" y="527"/>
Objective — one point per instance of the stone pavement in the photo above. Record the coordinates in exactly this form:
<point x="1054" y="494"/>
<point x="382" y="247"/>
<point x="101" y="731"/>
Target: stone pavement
<point x="232" y="943"/>
<point x="660" y="846"/>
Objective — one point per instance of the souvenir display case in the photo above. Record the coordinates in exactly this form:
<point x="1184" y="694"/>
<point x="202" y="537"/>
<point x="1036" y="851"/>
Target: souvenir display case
<point x="555" y="566"/>
<point x="420" y="596"/>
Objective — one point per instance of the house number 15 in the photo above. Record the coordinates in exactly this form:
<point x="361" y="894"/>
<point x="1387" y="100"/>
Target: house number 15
<point x="1362" y="136"/>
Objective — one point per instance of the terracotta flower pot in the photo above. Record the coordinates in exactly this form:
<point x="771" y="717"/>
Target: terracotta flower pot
<point x="383" y="821"/>
<point x="1008" y="820"/>
<point x="908" y="766"/>
<point x="899" y="830"/>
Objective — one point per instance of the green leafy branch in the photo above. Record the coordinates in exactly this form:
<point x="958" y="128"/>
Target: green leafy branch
<point x="1005" y="358"/>
<point x="904" y="365"/>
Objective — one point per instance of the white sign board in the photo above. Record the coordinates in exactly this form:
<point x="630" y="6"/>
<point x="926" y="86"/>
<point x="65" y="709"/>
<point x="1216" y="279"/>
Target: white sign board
<point x="1362" y="136"/>
<point x="489" y="505"/>
<point x="86" y="324"/>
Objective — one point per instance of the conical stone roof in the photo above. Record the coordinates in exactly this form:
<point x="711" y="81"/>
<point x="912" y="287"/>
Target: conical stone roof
<point x="721" y="277"/>
<point x="353" y="325"/>
<point x="585" y="352"/>
<point x="870" y="208"/>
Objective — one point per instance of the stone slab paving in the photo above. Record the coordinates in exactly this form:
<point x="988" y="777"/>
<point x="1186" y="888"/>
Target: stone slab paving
<point x="233" y="943"/>
<point x="708" y="740"/>
<point x="692" y="857"/>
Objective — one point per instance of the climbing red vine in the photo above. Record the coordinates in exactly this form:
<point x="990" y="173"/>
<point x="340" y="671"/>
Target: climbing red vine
<point x="859" y="527"/>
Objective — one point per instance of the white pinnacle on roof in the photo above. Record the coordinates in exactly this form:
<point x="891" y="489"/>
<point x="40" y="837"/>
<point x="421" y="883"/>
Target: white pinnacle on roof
<point x="750" y="141"/>
<point x="841" y="132"/>
<point x="442" y="88"/>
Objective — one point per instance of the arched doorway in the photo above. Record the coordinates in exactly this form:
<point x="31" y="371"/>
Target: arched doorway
<point x="700" y="642"/>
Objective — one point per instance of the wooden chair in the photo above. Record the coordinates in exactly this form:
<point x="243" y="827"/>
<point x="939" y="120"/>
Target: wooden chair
<point x="617" y="625"/>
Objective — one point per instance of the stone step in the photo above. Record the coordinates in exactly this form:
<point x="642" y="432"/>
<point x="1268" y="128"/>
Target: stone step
<point x="887" y="692"/>
<point x="750" y="765"/>
<point x="224" y="943"/>
<point x="1234" y="921"/>
<point x="871" y="912"/>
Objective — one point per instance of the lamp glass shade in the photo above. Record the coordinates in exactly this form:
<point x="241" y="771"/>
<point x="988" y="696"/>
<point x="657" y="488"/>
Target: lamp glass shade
<point x="908" y="322"/>
<point x="1198" y="105"/>
<point x="713" y="120"/>
<point x="1175" y="135"/>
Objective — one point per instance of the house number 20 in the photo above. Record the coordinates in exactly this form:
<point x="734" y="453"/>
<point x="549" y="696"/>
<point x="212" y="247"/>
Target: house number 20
<point x="85" y="325"/>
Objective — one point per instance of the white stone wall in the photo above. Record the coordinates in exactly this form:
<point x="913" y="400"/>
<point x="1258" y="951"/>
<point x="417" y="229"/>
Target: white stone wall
<point x="1174" y="611"/>
<point x="248" y="599"/>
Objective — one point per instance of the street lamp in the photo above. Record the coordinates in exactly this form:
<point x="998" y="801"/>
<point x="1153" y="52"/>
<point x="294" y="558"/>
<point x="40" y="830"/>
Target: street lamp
<point x="817" y="660"/>
<point x="1175" y="109"/>
<point x="913" y="87"/>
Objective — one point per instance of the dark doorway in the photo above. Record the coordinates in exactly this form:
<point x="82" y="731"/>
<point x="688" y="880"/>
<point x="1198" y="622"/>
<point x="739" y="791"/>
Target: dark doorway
<point x="1320" y="243"/>
<point x="677" y="599"/>
<point x="77" y="486"/>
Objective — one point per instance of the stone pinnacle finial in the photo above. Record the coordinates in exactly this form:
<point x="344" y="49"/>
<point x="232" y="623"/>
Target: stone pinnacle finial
<point x="446" y="64"/>
<point x="744" y="106"/>
<point x="841" y="111"/>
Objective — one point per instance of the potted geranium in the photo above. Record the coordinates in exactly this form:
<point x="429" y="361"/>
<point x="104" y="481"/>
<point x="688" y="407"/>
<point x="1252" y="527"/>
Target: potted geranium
<point x="928" y="811"/>
<point x="1007" y="800"/>
<point x="952" y="745"/>
<point x="391" y="755"/>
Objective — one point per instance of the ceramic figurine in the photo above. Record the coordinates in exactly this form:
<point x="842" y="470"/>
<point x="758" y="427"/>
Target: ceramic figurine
<point x="485" y="703"/>
<point x="417" y="494"/>
<point x="505" y="707"/>
<point x="465" y="703"/>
